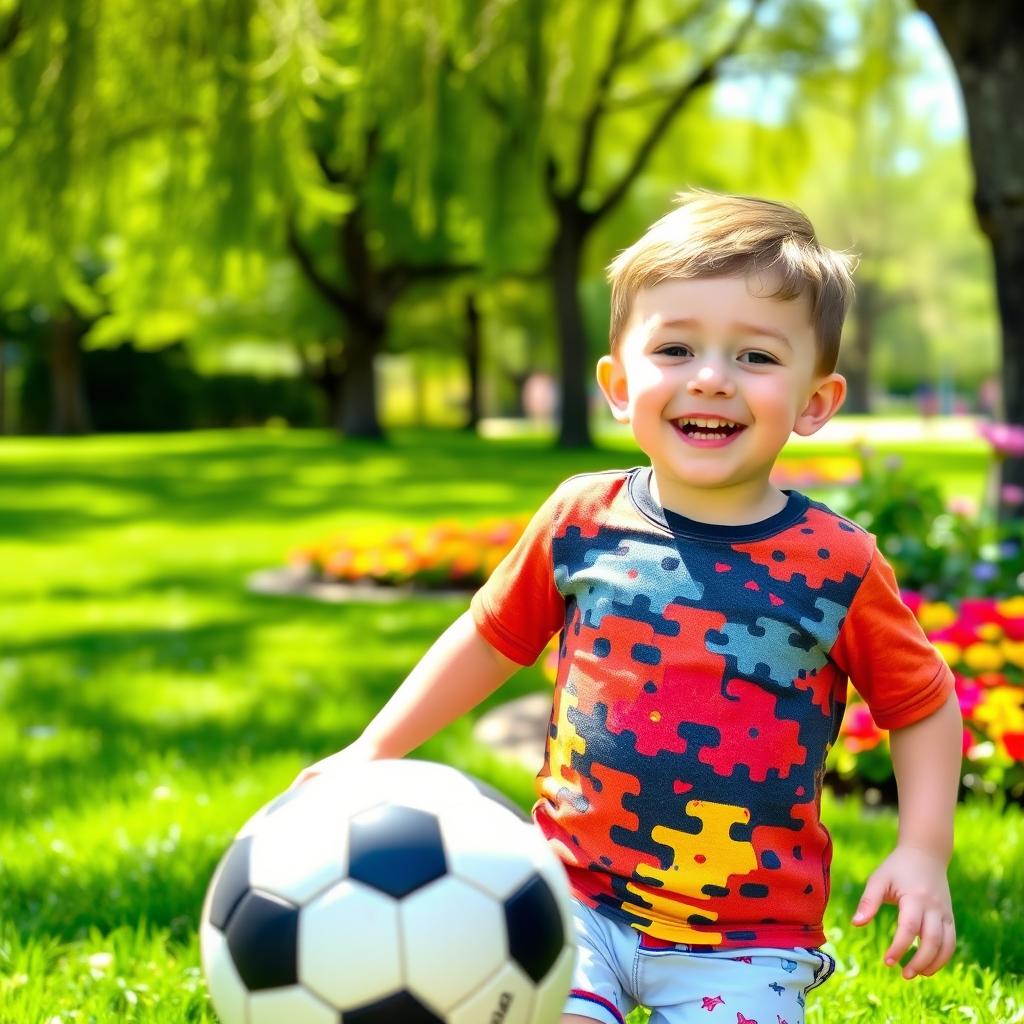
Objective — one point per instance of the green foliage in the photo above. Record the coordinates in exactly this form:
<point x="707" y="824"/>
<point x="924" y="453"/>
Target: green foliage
<point x="937" y="549"/>
<point x="931" y="548"/>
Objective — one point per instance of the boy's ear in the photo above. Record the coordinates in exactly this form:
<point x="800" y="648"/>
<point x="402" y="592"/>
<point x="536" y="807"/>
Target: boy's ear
<point x="611" y="378"/>
<point x="827" y="399"/>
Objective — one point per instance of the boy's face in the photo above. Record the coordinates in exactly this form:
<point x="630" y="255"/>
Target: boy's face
<point x="717" y="349"/>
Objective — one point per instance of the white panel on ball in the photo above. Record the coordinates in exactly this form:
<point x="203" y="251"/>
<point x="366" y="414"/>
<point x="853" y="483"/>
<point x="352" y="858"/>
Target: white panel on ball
<point x="301" y="855"/>
<point x="348" y="945"/>
<point x="291" y="1005"/>
<point x="226" y="988"/>
<point x="453" y="938"/>
<point x="552" y="991"/>
<point x="507" y="997"/>
<point x="478" y="851"/>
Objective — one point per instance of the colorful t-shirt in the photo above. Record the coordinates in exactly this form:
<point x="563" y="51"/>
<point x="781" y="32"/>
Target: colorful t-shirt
<point x="702" y="678"/>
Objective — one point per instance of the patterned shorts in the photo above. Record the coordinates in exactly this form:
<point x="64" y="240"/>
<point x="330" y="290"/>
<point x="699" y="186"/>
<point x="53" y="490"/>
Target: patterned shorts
<point x="617" y="970"/>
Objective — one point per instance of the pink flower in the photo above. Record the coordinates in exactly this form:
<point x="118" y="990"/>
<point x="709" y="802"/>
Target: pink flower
<point x="968" y="693"/>
<point x="1005" y="438"/>
<point x="963" y="506"/>
<point x="859" y="730"/>
<point x="1012" y="494"/>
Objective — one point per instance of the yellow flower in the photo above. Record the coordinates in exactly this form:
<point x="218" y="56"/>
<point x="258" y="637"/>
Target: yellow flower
<point x="491" y="559"/>
<point x="1012" y="608"/>
<point x="1013" y="652"/>
<point x="984" y="658"/>
<point x="951" y="652"/>
<point x="935" y="615"/>
<point x="1001" y="710"/>
<point x="990" y="631"/>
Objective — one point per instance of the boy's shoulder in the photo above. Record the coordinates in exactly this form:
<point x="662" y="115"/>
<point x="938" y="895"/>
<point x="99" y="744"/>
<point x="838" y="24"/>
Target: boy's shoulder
<point x="588" y="495"/>
<point x="600" y="481"/>
<point x="829" y="535"/>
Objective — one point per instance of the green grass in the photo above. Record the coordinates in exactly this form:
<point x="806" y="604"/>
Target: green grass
<point x="149" y="705"/>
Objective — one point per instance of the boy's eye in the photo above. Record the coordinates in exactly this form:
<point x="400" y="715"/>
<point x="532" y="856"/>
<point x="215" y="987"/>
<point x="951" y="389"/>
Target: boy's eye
<point x="760" y="358"/>
<point x="673" y="350"/>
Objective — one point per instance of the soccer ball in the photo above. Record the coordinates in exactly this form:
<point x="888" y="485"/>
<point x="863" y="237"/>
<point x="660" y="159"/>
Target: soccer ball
<point x="398" y="892"/>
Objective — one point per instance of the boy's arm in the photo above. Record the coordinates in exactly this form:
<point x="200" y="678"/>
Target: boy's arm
<point x="456" y="674"/>
<point x="926" y="760"/>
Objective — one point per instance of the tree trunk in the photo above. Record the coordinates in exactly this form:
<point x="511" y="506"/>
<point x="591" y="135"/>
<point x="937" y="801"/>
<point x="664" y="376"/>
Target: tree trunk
<point x="566" y="258"/>
<point x="3" y="388"/>
<point x="1009" y="261"/>
<point x="69" y="412"/>
<point x="473" y="349"/>
<point x="359" y="383"/>
<point x="856" y="358"/>
<point x="986" y="44"/>
<point x="323" y="370"/>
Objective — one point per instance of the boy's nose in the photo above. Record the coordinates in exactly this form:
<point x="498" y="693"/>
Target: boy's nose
<point x="710" y="380"/>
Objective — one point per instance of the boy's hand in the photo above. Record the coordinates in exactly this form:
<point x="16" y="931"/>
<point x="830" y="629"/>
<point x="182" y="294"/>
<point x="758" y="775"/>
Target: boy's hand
<point x="915" y="880"/>
<point x="355" y="753"/>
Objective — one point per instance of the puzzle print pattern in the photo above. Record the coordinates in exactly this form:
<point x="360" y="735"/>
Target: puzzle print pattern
<point x="700" y="686"/>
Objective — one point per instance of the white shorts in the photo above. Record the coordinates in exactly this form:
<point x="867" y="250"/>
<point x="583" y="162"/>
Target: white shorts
<point x="615" y="972"/>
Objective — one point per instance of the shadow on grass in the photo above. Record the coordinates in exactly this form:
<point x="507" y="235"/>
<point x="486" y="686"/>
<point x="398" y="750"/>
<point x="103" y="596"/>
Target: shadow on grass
<point x="311" y="475"/>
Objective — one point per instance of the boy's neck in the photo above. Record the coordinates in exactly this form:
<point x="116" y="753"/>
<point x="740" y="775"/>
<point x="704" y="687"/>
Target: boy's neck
<point x="739" y="505"/>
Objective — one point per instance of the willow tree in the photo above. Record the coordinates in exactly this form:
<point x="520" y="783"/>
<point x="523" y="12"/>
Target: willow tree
<point x="174" y="150"/>
<point x="99" y="105"/>
<point x="612" y="79"/>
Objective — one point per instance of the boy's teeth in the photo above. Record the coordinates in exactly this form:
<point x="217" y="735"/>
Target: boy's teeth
<point x="703" y="422"/>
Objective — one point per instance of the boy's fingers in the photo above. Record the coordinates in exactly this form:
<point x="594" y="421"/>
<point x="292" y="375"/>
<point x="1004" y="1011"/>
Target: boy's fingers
<point x="947" y="946"/>
<point x="930" y="944"/>
<point x="869" y="902"/>
<point x="907" y="927"/>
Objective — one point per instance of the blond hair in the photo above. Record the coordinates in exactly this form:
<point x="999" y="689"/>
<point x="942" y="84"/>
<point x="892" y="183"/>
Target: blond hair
<point x="714" y="235"/>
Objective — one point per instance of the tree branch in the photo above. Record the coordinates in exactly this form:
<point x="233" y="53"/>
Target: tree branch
<point x="604" y="82"/>
<point x="400" y="276"/>
<point x="12" y="29"/>
<point x="704" y="76"/>
<point x="652" y="39"/>
<point x="327" y="289"/>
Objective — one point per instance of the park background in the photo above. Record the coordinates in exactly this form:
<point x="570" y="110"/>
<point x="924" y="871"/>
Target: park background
<point x="295" y="283"/>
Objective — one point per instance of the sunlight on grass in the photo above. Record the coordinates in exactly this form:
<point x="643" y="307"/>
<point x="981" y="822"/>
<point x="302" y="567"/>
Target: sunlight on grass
<point x="150" y="705"/>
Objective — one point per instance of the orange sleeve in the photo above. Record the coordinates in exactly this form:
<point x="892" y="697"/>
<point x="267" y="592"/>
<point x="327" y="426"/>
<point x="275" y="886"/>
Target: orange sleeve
<point x="882" y="648"/>
<point x="519" y="608"/>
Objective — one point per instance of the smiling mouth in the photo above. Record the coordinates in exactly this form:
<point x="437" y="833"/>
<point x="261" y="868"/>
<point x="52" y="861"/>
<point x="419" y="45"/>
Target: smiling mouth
<point x="704" y="428"/>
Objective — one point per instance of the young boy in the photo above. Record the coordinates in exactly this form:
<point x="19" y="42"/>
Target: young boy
<point x="709" y="623"/>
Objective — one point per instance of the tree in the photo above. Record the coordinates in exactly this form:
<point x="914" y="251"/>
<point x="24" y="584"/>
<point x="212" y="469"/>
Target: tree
<point x="638" y="68"/>
<point x="986" y="45"/>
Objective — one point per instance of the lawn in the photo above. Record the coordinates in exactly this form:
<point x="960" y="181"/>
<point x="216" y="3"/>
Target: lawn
<point x="150" y="704"/>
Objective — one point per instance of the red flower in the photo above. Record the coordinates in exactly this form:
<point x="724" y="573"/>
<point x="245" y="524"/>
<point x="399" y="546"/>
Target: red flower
<point x="859" y="729"/>
<point x="988" y="679"/>
<point x="1014" y="743"/>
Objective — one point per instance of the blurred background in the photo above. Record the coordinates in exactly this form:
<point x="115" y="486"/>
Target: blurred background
<point x="365" y="215"/>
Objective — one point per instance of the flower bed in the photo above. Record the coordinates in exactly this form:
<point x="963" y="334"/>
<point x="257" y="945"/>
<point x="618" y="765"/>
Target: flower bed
<point x="982" y="640"/>
<point x="440" y="555"/>
<point x="817" y="471"/>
